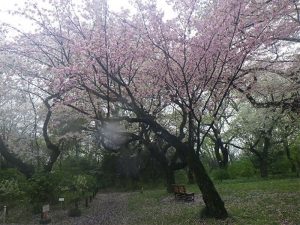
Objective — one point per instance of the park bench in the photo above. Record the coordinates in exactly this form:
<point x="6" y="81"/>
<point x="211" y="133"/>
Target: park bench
<point x="181" y="194"/>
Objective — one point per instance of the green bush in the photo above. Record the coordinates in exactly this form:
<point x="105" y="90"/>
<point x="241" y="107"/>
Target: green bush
<point x="10" y="192"/>
<point x="180" y="177"/>
<point x="43" y="188"/>
<point x="241" y="168"/>
<point x="280" y="165"/>
<point x="77" y="187"/>
<point x="220" y="174"/>
<point x="9" y="174"/>
<point x="12" y="185"/>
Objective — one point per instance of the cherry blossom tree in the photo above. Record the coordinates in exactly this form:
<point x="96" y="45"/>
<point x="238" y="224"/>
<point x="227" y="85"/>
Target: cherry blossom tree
<point x="16" y="128"/>
<point x="97" y="61"/>
<point x="256" y="130"/>
<point x="31" y="137"/>
<point x="221" y="133"/>
<point x="274" y="76"/>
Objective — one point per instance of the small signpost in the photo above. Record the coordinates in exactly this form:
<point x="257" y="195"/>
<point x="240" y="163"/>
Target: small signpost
<point x="45" y="214"/>
<point x="46" y="209"/>
<point x="4" y="214"/>
<point x="61" y="200"/>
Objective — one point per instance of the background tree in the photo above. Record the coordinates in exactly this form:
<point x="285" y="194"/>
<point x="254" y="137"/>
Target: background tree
<point x="96" y="60"/>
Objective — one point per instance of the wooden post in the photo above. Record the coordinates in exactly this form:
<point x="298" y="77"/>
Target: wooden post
<point x="45" y="217"/>
<point x="86" y="202"/>
<point x="4" y="214"/>
<point x="62" y="201"/>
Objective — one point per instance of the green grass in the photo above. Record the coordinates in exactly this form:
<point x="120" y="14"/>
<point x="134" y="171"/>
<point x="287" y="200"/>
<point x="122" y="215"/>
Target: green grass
<point x="258" y="202"/>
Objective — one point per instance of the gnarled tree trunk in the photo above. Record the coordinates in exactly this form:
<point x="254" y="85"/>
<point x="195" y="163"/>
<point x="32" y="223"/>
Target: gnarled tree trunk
<point x="54" y="148"/>
<point x="169" y="167"/>
<point x="214" y="205"/>
<point x="263" y="160"/>
<point x="219" y="145"/>
<point x="170" y="179"/>
<point x="24" y="168"/>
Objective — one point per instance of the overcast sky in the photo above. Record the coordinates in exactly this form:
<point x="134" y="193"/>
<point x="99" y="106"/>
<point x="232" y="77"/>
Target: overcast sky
<point x="10" y="4"/>
<point x="116" y="5"/>
<point x="6" y="5"/>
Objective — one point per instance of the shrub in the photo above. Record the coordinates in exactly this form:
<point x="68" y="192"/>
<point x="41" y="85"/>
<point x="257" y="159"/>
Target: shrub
<point x="241" y="168"/>
<point x="280" y="165"/>
<point x="43" y="188"/>
<point x="12" y="185"/>
<point x="78" y="187"/>
<point x="9" y="174"/>
<point x="180" y="176"/>
<point x="220" y="174"/>
<point x="10" y="192"/>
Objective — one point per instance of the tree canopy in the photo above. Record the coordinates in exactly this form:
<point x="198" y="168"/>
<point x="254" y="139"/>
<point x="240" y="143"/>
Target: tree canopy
<point x="126" y="68"/>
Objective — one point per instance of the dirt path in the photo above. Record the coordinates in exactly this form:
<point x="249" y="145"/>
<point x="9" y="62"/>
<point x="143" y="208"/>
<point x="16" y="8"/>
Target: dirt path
<point x="106" y="209"/>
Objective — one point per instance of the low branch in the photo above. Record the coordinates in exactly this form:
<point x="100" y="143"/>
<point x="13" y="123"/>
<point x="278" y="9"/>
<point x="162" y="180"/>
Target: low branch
<point x="24" y="168"/>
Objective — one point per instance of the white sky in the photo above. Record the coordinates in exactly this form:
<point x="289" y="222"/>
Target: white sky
<point x="115" y="5"/>
<point x="11" y="4"/>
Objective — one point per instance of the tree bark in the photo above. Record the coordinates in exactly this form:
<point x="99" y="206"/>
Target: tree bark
<point x="27" y="169"/>
<point x="219" y="145"/>
<point x="169" y="167"/>
<point x="263" y="168"/>
<point x="264" y="172"/>
<point x="217" y="153"/>
<point x="170" y="179"/>
<point x="190" y="176"/>
<point x="288" y="155"/>
<point x="24" y="168"/>
<point x="214" y="206"/>
<point x="225" y="154"/>
<point x="54" y="148"/>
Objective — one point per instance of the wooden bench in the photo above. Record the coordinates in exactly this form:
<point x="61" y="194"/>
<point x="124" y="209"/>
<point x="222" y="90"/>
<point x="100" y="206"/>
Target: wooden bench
<point x="181" y="194"/>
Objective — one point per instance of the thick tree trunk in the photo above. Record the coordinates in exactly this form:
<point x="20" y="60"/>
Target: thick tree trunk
<point x="219" y="145"/>
<point x="225" y="154"/>
<point x="263" y="168"/>
<point x="53" y="158"/>
<point x="214" y="206"/>
<point x="169" y="168"/>
<point x="288" y="155"/>
<point x="222" y="160"/>
<point x="170" y="179"/>
<point x="217" y="154"/>
<point x="190" y="176"/>
<point x="263" y="161"/>
<point x="27" y="169"/>
<point x="298" y="169"/>
<point x="24" y="168"/>
<point x="54" y="148"/>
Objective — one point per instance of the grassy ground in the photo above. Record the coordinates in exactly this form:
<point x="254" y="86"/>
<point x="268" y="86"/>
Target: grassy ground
<point x="257" y="202"/>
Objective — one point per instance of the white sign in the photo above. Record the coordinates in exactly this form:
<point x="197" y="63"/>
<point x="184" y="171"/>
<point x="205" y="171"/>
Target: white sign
<point x="61" y="199"/>
<point x="46" y="208"/>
